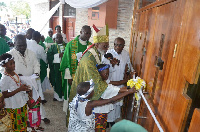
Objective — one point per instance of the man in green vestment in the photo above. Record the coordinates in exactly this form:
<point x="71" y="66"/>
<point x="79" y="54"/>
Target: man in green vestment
<point x="4" y="47"/>
<point x="54" y="56"/>
<point x="87" y="68"/>
<point x="68" y="66"/>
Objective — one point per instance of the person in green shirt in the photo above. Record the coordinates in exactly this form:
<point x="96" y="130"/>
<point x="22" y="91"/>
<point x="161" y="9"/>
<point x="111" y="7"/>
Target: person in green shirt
<point x="54" y="56"/>
<point x="68" y="66"/>
<point x="4" y="47"/>
<point x="49" y="40"/>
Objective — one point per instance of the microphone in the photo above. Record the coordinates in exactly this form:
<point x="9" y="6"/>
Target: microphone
<point x="109" y="56"/>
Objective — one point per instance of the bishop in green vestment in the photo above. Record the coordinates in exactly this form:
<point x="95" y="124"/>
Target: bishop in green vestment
<point x="73" y="52"/>
<point x="4" y="47"/>
<point x="54" y="56"/>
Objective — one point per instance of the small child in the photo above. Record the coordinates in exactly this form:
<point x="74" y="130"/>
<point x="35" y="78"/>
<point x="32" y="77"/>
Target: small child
<point x="34" y="107"/>
<point x="81" y="108"/>
<point x="15" y="93"/>
<point x="101" y="112"/>
<point x="5" y="120"/>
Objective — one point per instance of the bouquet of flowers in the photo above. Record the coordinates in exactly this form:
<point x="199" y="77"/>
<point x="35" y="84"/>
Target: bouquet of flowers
<point x="138" y="83"/>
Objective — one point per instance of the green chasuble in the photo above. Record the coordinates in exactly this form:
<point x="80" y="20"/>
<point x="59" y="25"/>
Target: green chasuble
<point x="49" y="40"/>
<point x="43" y="65"/>
<point x="69" y="60"/>
<point x="3" y="47"/>
<point x="55" y="74"/>
<point x="87" y="70"/>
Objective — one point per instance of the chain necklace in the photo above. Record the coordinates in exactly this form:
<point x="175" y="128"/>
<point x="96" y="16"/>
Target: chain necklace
<point x="17" y="81"/>
<point x="3" y="112"/>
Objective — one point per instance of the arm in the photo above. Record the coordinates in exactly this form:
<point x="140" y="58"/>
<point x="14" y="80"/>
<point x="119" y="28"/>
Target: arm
<point x="117" y="83"/>
<point x="10" y="94"/>
<point x="31" y="105"/>
<point x="91" y="104"/>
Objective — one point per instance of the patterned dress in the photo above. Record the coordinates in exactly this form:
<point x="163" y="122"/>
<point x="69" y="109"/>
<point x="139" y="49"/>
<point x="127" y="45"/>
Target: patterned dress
<point x="78" y="120"/>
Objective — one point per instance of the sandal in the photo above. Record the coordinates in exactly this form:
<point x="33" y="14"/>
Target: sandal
<point x="40" y="128"/>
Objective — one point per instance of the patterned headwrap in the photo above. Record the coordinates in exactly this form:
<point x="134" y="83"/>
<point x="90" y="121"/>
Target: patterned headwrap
<point x="100" y="36"/>
<point x="84" y="96"/>
<point x="3" y="62"/>
<point x="103" y="68"/>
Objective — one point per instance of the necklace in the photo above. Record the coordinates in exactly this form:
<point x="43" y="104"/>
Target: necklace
<point x="16" y="80"/>
<point x="3" y="112"/>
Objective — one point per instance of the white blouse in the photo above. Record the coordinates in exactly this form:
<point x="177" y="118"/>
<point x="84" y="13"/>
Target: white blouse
<point x="19" y="99"/>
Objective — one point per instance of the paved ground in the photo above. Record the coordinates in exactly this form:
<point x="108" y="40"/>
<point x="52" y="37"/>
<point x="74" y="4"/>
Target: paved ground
<point x="54" y="112"/>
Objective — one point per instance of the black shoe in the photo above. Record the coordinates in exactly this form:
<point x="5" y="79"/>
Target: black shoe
<point x="54" y="99"/>
<point x="44" y="101"/>
<point x="46" y="121"/>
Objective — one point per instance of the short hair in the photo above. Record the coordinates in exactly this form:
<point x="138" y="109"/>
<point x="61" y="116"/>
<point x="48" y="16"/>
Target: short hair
<point x="5" y="56"/>
<point x="85" y="27"/>
<point x="57" y="26"/>
<point x="30" y="30"/>
<point x="36" y="35"/>
<point x="19" y="36"/>
<point x="119" y="38"/>
<point x="83" y="87"/>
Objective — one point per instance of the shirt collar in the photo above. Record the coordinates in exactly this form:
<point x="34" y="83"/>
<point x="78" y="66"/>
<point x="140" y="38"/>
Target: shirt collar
<point x="82" y="42"/>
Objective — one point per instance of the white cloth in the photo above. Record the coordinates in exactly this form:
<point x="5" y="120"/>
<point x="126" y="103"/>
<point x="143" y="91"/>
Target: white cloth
<point x="63" y="35"/>
<point x="37" y="49"/>
<point x="46" y="84"/>
<point x="31" y="81"/>
<point x="57" y="97"/>
<point x="27" y="64"/>
<point x="110" y="92"/>
<point x="16" y="101"/>
<point x="84" y="3"/>
<point x="78" y="120"/>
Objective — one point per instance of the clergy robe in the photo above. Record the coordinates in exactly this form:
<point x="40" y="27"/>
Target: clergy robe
<point x="69" y="63"/>
<point x="3" y="48"/>
<point x="48" y="42"/>
<point x="54" y="61"/>
<point x="87" y="70"/>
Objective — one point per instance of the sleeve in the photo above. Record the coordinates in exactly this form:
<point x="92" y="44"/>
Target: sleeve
<point x="43" y="55"/>
<point x="36" y="64"/>
<point x="3" y="84"/>
<point x="66" y="61"/>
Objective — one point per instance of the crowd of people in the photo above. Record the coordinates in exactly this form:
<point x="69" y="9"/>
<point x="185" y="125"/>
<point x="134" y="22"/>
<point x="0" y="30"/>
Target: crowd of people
<point x="90" y="84"/>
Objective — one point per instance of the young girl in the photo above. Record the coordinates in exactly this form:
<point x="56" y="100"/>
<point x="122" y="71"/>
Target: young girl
<point x="81" y="108"/>
<point x="101" y="112"/>
<point x="15" y="94"/>
<point x="34" y="106"/>
<point x="5" y="120"/>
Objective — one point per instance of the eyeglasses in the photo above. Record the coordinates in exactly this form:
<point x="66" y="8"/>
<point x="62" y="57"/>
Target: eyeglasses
<point x="119" y="45"/>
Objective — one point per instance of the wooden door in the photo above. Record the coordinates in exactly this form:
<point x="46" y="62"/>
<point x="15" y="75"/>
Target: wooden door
<point x="172" y="37"/>
<point x="70" y="28"/>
